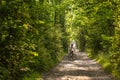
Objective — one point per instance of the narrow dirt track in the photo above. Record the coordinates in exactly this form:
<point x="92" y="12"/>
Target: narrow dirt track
<point x="79" y="68"/>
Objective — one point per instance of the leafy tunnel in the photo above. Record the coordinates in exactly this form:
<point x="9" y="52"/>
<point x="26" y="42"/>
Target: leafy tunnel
<point x="35" y="34"/>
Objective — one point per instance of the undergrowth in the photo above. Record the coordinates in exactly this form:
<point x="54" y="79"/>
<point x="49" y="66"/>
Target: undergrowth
<point x="104" y="60"/>
<point x="33" y="76"/>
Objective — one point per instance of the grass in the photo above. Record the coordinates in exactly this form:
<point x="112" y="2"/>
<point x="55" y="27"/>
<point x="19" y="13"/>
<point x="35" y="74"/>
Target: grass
<point x="104" y="60"/>
<point x="33" y="76"/>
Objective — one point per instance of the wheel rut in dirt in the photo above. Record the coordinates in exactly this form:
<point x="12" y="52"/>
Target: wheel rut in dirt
<point x="79" y="68"/>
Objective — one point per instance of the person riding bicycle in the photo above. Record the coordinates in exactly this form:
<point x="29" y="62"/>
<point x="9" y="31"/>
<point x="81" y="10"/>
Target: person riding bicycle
<point x="71" y="51"/>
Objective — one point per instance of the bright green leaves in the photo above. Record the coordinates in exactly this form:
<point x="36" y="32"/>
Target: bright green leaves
<point x="26" y="26"/>
<point x="100" y="28"/>
<point x="32" y="37"/>
<point x="97" y="25"/>
<point x="33" y="53"/>
<point x="3" y="2"/>
<point x="40" y="22"/>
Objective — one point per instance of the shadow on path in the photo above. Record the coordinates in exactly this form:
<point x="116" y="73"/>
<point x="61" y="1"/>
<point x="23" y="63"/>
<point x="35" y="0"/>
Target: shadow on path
<point x="80" y="68"/>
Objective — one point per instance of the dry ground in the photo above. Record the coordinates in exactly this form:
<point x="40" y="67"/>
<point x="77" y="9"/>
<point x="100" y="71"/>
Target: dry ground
<point x="79" y="68"/>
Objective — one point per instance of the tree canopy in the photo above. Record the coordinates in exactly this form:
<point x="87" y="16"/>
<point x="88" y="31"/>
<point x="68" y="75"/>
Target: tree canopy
<point x="35" y="34"/>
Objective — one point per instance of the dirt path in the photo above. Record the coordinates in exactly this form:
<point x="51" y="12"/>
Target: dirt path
<point x="80" y="68"/>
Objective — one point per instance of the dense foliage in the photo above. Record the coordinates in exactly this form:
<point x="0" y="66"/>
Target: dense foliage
<point x="98" y="22"/>
<point x="31" y="37"/>
<point x="34" y="34"/>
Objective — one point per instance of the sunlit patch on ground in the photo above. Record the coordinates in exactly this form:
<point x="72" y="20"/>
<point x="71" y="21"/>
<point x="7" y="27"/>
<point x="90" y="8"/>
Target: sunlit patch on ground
<point x="75" y="78"/>
<point x="80" y="68"/>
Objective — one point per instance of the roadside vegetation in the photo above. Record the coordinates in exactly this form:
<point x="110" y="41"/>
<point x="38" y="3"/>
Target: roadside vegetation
<point x="35" y="34"/>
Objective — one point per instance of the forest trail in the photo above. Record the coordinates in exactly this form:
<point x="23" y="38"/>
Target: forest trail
<point x="80" y="68"/>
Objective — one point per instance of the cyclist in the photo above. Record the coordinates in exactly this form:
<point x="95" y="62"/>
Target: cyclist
<point x="71" y="50"/>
